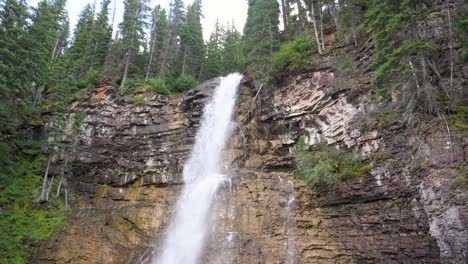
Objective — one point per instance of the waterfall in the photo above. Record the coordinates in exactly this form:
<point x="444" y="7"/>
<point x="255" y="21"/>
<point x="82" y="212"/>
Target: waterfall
<point x="203" y="174"/>
<point x="287" y="188"/>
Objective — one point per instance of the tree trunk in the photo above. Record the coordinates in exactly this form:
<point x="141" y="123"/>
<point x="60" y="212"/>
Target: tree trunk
<point x="184" y="61"/>
<point x="321" y="24"/>
<point x="285" y="11"/>
<point x="271" y="36"/>
<point x="451" y="44"/>
<point x="125" y="73"/>
<point x="300" y="14"/>
<point x="59" y="186"/>
<point x="49" y="188"/>
<point x="44" y="183"/>
<point x="354" y="35"/>
<point x="332" y="7"/>
<point x="113" y="18"/>
<point x="66" y="200"/>
<point x="314" y="21"/>
<point x="151" y="57"/>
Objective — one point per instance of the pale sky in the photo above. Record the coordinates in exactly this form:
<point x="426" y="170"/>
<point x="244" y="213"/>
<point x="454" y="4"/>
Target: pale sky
<point x="224" y="10"/>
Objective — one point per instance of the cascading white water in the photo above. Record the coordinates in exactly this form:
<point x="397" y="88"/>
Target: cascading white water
<point x="288" y="188"/>
<point x="203" y="174"/>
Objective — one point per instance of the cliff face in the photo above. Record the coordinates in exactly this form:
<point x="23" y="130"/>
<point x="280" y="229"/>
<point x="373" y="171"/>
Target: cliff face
<point x="408" y="209"/>
<point x="126" y="168"/>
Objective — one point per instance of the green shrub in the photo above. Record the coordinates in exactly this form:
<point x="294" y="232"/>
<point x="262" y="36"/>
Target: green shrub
<point x="158" y="86"/>
<point x="296" y="55"/>
<point x="326" y="166"/>
<point x="21" y="221"/>
<point x="139" y="100"/>
<point x="184" y="83"/>
<point x="130" y="86"/>
<point x="89" y="80"/>
<point x="461" y="117"/>
<point x="462" y="26"/>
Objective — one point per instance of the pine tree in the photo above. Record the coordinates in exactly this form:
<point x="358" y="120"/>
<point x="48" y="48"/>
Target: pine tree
<point x="214" y="63"/>
<point x="261" y="36"/>
<point x="102" y="35"/>
<point x="171" y="47"/>
<point x="41" y="41"/>
<point x="351" y="17"/>
<point x="161" y="38"/>
<point x="155" y="14"/>
<point x="192" y="46"/>
<point x="232" y="52"/>
<point x="82" y="52"/>
<point x="13" y="16"/>
<point x="132" y="31"/>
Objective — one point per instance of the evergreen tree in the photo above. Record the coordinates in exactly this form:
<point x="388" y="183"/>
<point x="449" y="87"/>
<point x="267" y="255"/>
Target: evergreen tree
<point x="132" y="31"/>
<point x="161" y="33"/>
<point x="82" y="52"/>
<point x="351" y="16"/>
<point x="192" y="46"/>
<point x="232" y="51"/>
<point x="214" y="63"/>
<point x="13" y="16"/>
<point x="41" y="43"/>
<point x="102" y="35"/>
<point x="168" y="63"/>
<point x="261" y="36"/>
<point x="155" y="14"/>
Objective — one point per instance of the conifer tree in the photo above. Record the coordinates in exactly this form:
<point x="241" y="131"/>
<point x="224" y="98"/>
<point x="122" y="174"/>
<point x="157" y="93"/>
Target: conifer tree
<point x="82" y="52"/>
<point x="13" y="16"/>
<point x="214" y="63"/>
<point x="192" y="46"/>
<point x="232" y="50"/>
<point x="161" y="38"/>
<point x="132" y="31"/>
<point x="155" y="16"/>
<point x="171" y="44"/>
<point x="102" y="35"/>
<point x="43" y="34"/>
<point x="261" y="35"/>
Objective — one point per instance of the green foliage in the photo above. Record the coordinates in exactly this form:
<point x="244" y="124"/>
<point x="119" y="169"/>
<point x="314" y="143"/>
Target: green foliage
<point x="462" y="180"/>
<point x="295" y="56"/>
<point x="461" y="117"/>
<point x="233" y="59"/>
<point x="351" y="20"/>
<point x="214" y="47"/>
<point x="158" y="86"/>
<point x="462" y="25"/>
<point x="192" y="44"/>
<point x="184" y="83"/>
<point x="20" y="220"/>
<point x="395" y="66"/>
<point x="387" y="20"/>
<point x="89" y="80"/>
<point x="326" y="166"/>
<point x="130" y="86"/>
<point x="261" y="36"/>
<point x="139" y="100"/>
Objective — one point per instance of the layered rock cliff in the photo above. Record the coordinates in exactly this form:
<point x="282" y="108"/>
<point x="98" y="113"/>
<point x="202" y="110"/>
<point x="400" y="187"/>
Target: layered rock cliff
<point x="409" y="208"/>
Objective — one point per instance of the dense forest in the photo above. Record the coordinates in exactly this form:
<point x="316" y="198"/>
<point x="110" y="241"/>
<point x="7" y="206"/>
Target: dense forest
<point x="44" y="67"/>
